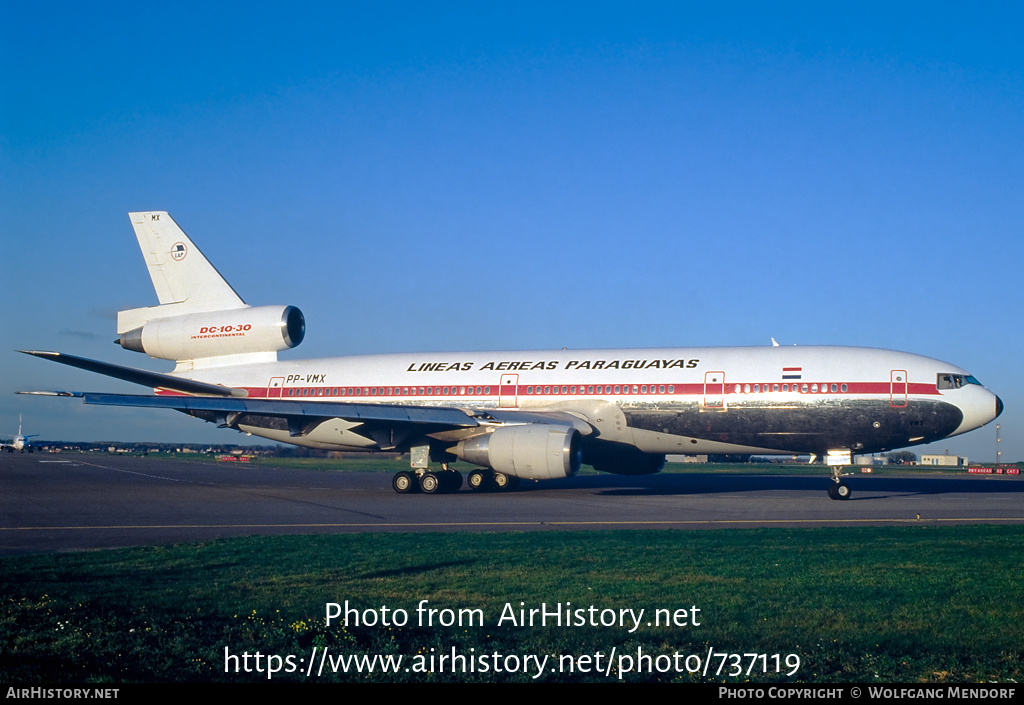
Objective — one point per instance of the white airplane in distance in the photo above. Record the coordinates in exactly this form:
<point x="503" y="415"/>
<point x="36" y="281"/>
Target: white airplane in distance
<point x="532" y="415"/>
<point x="18" y="442"/>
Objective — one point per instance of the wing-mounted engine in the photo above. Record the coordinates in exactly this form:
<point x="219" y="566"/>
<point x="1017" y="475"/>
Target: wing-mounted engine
<point x="534" y="451"/>
<point x="262" y="329"/>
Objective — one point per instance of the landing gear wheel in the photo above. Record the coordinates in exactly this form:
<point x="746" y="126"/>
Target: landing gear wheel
<point x="839" y="491"/>
<point x="501" y="481"/>
<point x="403" y="482"/>
<point x="451" y="480"/>
<point x="478" y="480"/>
<point x="429" y="483"/>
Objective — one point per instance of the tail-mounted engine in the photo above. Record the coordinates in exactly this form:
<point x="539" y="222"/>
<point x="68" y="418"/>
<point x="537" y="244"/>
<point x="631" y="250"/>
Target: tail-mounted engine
<point x="533" y="451"/>
<point x="262" y="329"/>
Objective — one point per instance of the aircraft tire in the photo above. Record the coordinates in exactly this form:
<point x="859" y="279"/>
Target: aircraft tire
<point x="429" y="483"/>
<point x="501" y="481"/>
<point x="452" y="481"/>
<point x="478" y="480"/>
<point x="839" y="491"/>
<point x="403" y="482"/>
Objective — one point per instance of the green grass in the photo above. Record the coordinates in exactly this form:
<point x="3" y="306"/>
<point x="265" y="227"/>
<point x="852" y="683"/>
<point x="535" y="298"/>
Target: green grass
<point x="862" y="604"/>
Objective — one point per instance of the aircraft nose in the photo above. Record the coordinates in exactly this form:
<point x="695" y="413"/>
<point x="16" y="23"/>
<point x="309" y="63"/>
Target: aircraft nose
<point x="979" y="406"/>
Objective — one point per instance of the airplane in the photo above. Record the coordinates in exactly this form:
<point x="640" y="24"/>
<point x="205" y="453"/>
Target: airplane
<point x="521" y="415"/>
<point x="18" y="442"/>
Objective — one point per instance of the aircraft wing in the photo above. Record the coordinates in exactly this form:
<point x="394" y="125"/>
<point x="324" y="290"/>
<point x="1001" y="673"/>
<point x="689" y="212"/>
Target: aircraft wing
<point x="387" y="425"/>
<point x="456" y="418"/>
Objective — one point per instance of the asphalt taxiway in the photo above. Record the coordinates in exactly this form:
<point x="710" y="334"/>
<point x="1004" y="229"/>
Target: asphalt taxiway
<point x="64" y="502"/>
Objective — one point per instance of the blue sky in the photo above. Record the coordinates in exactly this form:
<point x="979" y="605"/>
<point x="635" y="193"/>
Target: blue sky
<point x="485" y="175"/>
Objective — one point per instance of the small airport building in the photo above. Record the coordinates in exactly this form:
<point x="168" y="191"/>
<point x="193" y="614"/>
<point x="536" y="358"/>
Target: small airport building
<point x="954" y="460"/>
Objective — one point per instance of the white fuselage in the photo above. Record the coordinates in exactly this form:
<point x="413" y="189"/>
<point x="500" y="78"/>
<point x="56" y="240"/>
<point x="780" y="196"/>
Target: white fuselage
<point x="686" y="400"/>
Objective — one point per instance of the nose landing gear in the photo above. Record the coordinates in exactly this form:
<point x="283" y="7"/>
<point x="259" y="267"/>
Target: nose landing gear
<point x="839" y="490"/>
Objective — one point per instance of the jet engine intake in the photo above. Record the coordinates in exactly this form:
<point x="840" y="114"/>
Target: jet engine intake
<point x="200" y="335"/>
<point x="533" y="451"/>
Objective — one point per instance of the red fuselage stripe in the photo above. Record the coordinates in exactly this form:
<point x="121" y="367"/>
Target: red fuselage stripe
<point x="700" y="390"/>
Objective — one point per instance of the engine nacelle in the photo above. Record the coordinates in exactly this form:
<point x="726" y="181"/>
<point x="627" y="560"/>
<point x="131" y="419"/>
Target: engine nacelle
<point x="531" y="451"/>
<point x="192" y="336"/>
<point x="622" y="459"/>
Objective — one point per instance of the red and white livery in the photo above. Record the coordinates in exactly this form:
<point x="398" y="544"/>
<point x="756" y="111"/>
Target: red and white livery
<point x="532" y="415"/>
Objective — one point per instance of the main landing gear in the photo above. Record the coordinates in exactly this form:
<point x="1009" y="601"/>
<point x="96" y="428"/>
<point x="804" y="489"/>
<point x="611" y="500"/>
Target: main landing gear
<point x="489" y="481"/>
<point x="443" y="482"/>
<point x="448" y="481"/>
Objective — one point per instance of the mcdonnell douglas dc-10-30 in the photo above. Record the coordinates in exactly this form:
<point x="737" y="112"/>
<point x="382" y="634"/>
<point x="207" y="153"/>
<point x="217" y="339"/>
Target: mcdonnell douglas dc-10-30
<point x="526" y="415"/>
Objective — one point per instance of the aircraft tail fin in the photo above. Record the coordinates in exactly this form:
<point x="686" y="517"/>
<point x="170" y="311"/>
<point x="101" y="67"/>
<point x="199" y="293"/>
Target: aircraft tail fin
<point x="201" y="321"/>
<point x="184" y="280"/>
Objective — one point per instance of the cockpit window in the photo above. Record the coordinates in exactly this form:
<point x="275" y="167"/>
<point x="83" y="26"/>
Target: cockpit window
<point x="949" y="380"/>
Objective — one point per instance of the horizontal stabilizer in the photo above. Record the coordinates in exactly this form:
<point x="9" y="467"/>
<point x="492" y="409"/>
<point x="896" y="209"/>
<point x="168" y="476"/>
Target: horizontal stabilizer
<point x="143" y="377"/>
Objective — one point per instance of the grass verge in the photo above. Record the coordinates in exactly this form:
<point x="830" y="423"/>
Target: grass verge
<point x="862" y="604"/>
